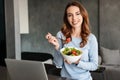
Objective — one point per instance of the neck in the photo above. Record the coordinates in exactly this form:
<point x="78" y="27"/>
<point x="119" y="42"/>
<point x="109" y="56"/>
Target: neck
<point x="76" y="32"/>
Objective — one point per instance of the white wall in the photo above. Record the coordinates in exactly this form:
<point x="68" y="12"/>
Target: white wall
<point x="20" y="23"/>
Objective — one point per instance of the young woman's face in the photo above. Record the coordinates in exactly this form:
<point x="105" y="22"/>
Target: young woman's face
<point x="74" y="16"/>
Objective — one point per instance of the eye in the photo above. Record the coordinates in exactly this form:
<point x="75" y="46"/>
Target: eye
<point x="78" y="13"/>
<point x="69" y="15"/>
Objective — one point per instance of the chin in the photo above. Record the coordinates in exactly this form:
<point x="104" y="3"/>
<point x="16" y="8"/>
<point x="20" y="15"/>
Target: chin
<point x="76" y="26"/>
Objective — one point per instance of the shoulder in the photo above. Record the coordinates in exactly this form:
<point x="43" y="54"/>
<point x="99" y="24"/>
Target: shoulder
<point x="91" y="37"/>
<point x="60" y="35"/>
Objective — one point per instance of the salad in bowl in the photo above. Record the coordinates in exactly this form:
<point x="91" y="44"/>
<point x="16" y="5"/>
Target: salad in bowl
<point x="71" y="54"/>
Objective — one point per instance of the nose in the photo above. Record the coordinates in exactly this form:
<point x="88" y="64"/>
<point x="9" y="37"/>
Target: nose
<point x="74" y="17"/>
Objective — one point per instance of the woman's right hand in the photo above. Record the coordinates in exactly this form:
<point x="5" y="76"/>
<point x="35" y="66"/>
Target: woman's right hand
<point x="53" y="40"/>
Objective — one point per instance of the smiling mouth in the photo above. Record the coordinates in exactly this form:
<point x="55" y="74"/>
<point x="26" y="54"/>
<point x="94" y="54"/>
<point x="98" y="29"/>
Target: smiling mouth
<point x="74" y="23"/>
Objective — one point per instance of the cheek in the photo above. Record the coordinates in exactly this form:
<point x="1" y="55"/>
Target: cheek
<point x="69" y="20"/>
<point x="81" y="18"/>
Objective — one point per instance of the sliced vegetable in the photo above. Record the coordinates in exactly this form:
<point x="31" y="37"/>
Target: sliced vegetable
<point x="71" y="51"/>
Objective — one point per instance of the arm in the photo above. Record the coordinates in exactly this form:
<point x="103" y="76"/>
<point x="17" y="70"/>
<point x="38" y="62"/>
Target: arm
<point x="92" y="64"/>
<point x="58" y="59"/>
<point x="57" y="42"/>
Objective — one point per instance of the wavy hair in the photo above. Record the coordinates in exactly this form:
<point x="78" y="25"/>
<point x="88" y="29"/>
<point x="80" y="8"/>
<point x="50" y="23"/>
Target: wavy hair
<point x="67" y="28"/>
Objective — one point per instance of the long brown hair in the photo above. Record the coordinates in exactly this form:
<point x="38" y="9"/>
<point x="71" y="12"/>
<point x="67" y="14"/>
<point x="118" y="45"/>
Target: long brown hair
<point x="67" y="28"/>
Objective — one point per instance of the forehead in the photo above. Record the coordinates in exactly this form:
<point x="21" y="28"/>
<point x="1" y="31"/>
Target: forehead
<point x="72" y="9"/>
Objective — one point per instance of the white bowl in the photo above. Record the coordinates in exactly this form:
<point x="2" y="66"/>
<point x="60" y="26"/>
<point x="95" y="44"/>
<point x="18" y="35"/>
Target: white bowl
<point x="71" y="58"/>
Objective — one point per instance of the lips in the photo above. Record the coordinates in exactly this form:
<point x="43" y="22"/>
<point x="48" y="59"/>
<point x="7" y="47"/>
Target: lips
<point x="75" y="22"/>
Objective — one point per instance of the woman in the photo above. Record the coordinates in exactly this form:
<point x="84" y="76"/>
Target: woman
<point x="76" y="33"/>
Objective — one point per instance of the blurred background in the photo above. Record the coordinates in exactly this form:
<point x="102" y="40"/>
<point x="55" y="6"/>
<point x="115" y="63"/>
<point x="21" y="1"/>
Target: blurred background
<point x="47" y="16"/>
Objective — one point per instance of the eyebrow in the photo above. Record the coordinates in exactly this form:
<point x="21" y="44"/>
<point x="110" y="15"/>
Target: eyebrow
<point x="75" y="12"/>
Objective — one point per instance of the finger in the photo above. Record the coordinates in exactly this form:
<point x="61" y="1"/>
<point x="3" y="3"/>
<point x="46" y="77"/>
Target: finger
<point x="49" y="34"/>
<point x="77" y="62"/>
<point x="68" y="62"/>
<point x="52" y="40"/>
<point x="51" y="37"/>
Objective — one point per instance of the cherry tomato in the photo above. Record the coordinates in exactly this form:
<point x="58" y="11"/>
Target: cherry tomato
<point x="68" y="40"/>
<point x="74" y="52"/>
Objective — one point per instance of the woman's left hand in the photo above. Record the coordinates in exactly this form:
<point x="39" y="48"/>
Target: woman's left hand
<point x="68" y="62"/>
<point x="77" y="62"/>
